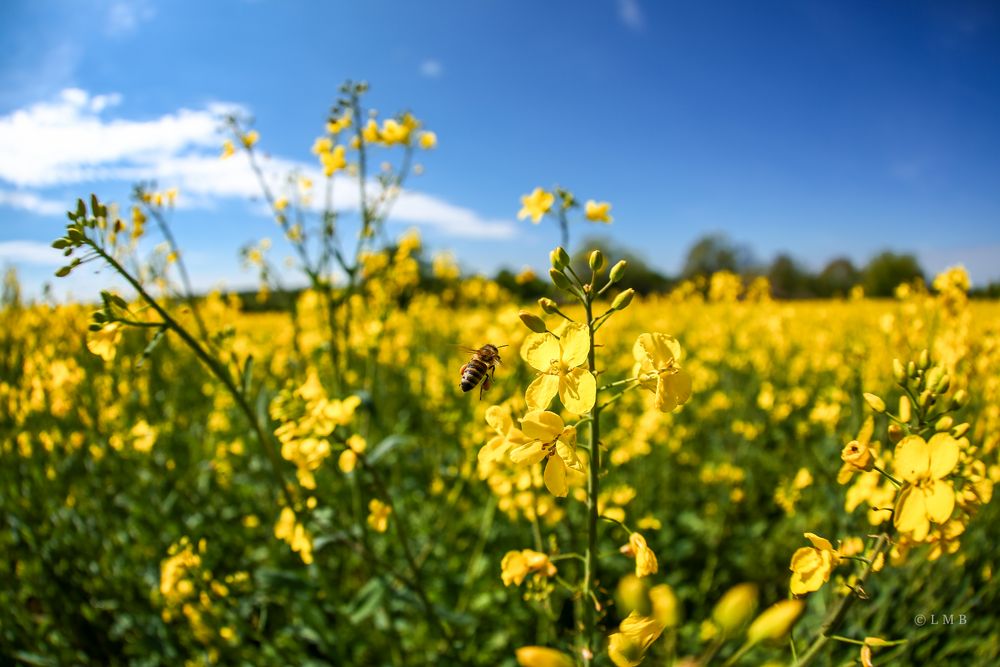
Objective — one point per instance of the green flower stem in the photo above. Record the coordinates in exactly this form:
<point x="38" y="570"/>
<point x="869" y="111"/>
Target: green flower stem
<point x="213" y="364"/>
<point x="835" y="617"/>
<point x="888" y="476"/>
<point x="593" y="488"/>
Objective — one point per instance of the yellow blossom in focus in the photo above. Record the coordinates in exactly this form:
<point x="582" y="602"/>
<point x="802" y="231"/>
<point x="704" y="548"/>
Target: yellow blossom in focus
<point x="927" y="497"/>
<point x="517" y="565"/>
<point x="559" y="361"/>
<point x="657" y="366"/>
<point x="812" y="566"/>
<point x="104" y="341"/>
<point x="549" y="438"/>
<point x="508" y="435"/>
<point x="378" y="515"/>
<point x="536" y="205"/>
<point x="597" y="211"/>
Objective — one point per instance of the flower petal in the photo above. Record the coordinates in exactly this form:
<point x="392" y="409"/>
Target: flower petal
<point x="528" y="454"/>
<point x="944" y="454"/>
<point x="940" y="499"/>
<point x="541" y="391"/>
<point x="575" y="345"/>
<point x="659" y="348"/>
<point x="911" y="514"/>
<point x="820" y="543"/>
<point x="540" y="350"/>
<point x="542" y="425"/>
<point x="913" y="458"/>
<point x="499" y="419"/>
<point x="578" y="391"/>
<point x="555" y="477"/>
<point x="494" y="450"/>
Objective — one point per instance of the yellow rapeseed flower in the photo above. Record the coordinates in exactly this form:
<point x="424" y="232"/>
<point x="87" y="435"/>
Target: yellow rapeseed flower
<point x="559" y="362"/>
<point x="517" y="565"/>
<point x="812" y="566"/>
<point x="294" y="533"/>
<point x="508" y="435"/>
<point x="645" y="558"/>
<point x="540" y="656"/>
<point x="104" y="341"/>
<point x="428" y="140"/>
<point x="635" y="635"/>
<point x="322" y="145"/>
<point x="657" y="366"/>
<point x="551" y="439"/>
<point x="597" y="211"/>
<point x="536" y="205"/>
<point x="250" y="138"/>
<point x="228" y="150"/>
<point x="927" y="497"/>
<point x="348" y="458"/>
<point x="333" y="161"/>
<point x="857" y="454"/>
<point x="378" y="515"/>
<point x="370" y="132"/>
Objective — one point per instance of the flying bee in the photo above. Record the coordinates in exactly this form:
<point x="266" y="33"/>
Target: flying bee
<point x="480" y="368"/>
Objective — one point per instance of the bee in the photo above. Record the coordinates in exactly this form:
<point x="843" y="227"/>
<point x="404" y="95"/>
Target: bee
<point x="480" y="368"/>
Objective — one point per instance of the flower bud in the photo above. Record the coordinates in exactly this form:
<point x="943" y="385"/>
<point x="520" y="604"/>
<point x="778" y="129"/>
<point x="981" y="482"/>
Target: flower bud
<point x="559" y="258"/>
<point x="960" y="398"/>
<point x="622" y="301"/>
<point x="943" y="384"/>
<point x="560" y="280"/>
<point x="533" y="322"/>
<point x="896" y="433"/>
<point x="924" y="360"/>
<point x="540" y="656"/>
<point x="905" y="407"/>
<point x="926" y="399"/>
<point x="548" y="306"/>
<point x="776" y="621"/>
<point x="960" y="430"/>
<point x="944" y="424"/>
<point x="875" y="403"/>
<point x="858" y="455"/>
<point x="597" y="261"/>
<point x="631" y="595"/>
<point x="617" y="271"/>
<point x="735" y="608"/>
<point x="933" y="377"/>
<point x="911" y="369"/>
<point x="899" y="371"/>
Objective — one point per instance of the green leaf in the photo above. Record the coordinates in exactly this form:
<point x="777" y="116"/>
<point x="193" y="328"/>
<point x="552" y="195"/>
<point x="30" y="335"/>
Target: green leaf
<point x="247" y="380"/>
<point x="386" y="446"/>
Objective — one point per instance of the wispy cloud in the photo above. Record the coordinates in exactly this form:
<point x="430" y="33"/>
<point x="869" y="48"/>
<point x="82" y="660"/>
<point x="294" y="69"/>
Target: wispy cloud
<point x="630" y="13"/>
<point x="29" y="252"/>
<point x="31" y="202"/>
<point x="125" y="16"/>
<point x="70" y="141"/>
<point x="431" y="68"/>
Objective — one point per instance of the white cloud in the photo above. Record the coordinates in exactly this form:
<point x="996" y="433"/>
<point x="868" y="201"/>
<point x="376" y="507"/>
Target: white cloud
<point x="31" y="202"/>
<point x="631" y="14"/>
<point x="124" y="16"/>
<point x="431" y="68"/>
<point x="30" y="252"/>
<point x="70" y="142"/>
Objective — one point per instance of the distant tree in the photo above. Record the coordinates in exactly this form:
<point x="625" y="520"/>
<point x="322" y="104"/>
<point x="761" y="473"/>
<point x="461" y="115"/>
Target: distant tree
<point x="887" y="270"/>
<point x="837" y="278"/>
<point x="715" y="252"/>
<point x="640" y="276"/>
<point x="788" y="280"/>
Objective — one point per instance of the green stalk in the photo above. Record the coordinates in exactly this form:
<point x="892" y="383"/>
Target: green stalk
<point x="593" y="488"/>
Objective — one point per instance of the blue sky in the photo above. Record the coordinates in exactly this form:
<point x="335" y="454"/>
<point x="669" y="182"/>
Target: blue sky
<point x="816" y="128"/>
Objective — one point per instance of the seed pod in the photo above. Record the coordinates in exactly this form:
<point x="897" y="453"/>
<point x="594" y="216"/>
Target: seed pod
<point x="532" y="321"/>
<point x="622" y="301"/>
<point x="560" y="280"/>
<point x="875" y="403"/>
<point x="905" y="408"/>
<point x="944" y="424"/>
<point x="617" y="271"/>
<point x="597" y="261"/>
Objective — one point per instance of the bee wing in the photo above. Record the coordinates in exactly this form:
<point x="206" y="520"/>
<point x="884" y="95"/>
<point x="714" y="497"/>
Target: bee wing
<point x="465" y="348"/>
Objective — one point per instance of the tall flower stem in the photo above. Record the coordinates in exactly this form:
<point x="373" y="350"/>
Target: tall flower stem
<point x="593" y="488"/>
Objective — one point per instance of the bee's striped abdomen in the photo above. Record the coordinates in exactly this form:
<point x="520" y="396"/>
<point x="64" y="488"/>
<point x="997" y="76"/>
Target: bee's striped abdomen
<point x="473" y="373"/>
